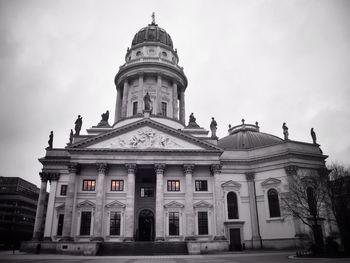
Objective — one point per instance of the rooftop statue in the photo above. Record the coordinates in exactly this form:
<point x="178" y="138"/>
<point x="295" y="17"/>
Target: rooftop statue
<point x="71" y="136"/>
<point x="50" y="141"/>
<point x="213" y="128"/>
<point x="148" y="102"/>
<point x="105" y="116"/>
<point x="104" y="120"/>
<point x="78" y="123"/>
<point x="285" y="131"/>
<point x="192" y="122"/>
<point x="313" y="136"/>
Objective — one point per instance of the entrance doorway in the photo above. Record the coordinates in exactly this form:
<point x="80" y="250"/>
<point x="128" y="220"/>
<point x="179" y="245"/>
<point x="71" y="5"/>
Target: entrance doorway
<point x="146" y="225"/>
<point x="235" y="239"/>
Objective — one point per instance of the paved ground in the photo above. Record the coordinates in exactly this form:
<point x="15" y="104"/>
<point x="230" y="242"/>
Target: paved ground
<point x="264" y="257"/>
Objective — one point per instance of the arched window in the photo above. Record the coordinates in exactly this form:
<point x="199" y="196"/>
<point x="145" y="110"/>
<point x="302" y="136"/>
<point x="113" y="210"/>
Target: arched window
<point x="311" y="201"/>
<point x="274" y="204"/>
<point x="232" y="206"/>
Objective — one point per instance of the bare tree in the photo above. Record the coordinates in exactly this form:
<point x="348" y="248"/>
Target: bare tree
<point x="305" y="200"/>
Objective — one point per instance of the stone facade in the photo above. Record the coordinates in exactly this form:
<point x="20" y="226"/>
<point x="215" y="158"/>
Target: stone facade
<point x="149" y="177"/>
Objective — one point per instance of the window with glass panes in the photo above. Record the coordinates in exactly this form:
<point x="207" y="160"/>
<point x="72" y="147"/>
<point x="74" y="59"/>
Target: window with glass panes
<point x="134" y="108"/>
<point x="117" y="185"/>
<point x="173" y="185"/>
<point x="174" y="224"/>
<point x="85" y="223"/>
<point x="89" y="185"/>
<point x="201" y="185"/>
<point x="202" y="223"/>
<point x="63" y="189"/>
<point x="114" y="226"/>
<point x="164" y="109"/>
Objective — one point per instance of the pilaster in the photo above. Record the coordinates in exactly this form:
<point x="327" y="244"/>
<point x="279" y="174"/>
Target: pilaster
<point x="140" y="105"/>
<point x="100" y="199"/>
<point x="159" y="202"/>
<point x="219" y="202"/>
<point x="118" y="106"/>
<point x="159" y="87"/>
<point x="190" y="224"/>
<point x="125" y="98"/>
<point x="39" y="217"/>
<point x="182" y="107"/>
<point x="175" y="105"/>
<point x="130" y="202"/>
<point x="73" y="169"/>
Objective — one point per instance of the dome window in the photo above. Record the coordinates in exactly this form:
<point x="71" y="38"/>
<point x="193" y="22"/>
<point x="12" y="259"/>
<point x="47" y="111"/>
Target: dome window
<point x="164" y="54"/>
<point x="138" y="54"/>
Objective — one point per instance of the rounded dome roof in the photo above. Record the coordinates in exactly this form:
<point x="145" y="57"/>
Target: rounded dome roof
<point x="152" y="33"/>
<point x="247" y="136"/>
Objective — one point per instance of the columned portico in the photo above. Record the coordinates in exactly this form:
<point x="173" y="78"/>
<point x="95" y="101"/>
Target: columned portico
<point x="159" y="201"/>
<point x="53" y="178"/>
<point x="130" y="202"/>
<point x="219" y="202"/>
<point x="73" y="169"/>
<point x="188" y="169"/>
<point x="100" y="200"/>
<point x="39" y="217"/>
<point x="256" y="238"/>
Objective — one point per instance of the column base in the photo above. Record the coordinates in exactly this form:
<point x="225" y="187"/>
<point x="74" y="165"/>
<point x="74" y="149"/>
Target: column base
<point x="256" y="242"/>
<point x="101" y="239"/>
<point x="220" y="238"/>
<point x="128" y="239"/>
<point x="159" y="239"/>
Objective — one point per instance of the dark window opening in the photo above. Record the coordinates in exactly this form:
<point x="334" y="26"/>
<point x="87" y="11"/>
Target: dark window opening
<point x="201" y="185"/>
<point x="89" y="185"/>
<point x="114" y="224"/>
<point x="146" y="192"/>
<point x="232" y="205"/>
<point x="134" y="108"/>
<point x="174" y="224"/>
<point x="311" y="201"/>
<point x="202" y="223"/>
<point x="63" y="189"/>
<point x="164" y="109"/>
<point x="274" y="205"/>
<point x="85" y="223"/>
<point x="173" y="185"/>
<point x="60" y="225"/>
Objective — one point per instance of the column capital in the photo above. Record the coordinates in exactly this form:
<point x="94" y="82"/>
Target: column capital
<point x="159" y="167"/>
<point x="54" y="176"/>
<point x="291" y="170"/>
<point x="215" y="168"/>
<point x="250" y="176"/>
<point x="44" y="176"/>
<point x="131" y="167"/>
<point x="188" y="168"/>
<point x="73" y="168"/>
<point x="102" y="168"/>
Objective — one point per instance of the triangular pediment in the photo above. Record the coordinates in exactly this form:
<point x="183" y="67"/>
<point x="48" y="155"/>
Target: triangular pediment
<point x="145" y="134"/>
<point x="115" y="204"/>
<point x="60" y="207"/>
<point x="86" y="204"/>
<point x="231" y="184"/>
<point x="202" y="204"/>
<point x="174" y="204"/>
<point x="270" y="181"/>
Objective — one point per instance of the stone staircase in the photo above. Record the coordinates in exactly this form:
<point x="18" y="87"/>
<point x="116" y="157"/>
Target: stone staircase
<point x="142" y="248"/>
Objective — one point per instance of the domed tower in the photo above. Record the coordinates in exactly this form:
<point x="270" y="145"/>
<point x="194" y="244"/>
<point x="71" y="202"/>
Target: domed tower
<point x="151" y="66"/>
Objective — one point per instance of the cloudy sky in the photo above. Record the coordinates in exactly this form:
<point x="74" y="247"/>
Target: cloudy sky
<point x="267" y="61"/>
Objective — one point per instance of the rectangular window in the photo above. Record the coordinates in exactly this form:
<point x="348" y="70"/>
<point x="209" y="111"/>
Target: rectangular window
<point x="63" y="189"/>
<point x="134" y="108"/>
<point x="117" y="185"/>
<point x="89" y="185"/>
<point x="60" y="225"/>
<point x="173" y="185"/>
<point x="146" y="192"/>
<point x="164" y="109"/>
<point x="114" y="227"/>
<point x="202" y="223"/>
<point x="85" y="223"/>
<point x="174" y="224"/>
<point x="201" y="185"/>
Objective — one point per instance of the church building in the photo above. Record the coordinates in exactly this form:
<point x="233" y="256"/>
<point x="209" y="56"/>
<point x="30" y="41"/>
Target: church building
<point x="151" y="176"/>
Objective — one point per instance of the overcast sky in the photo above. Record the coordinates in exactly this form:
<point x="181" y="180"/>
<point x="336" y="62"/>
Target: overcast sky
<point x="266" y="61"/>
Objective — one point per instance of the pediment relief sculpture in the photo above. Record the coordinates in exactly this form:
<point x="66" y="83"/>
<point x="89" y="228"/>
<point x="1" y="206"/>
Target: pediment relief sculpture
<point x="231" y="185"/>
<point x="174" y="204"/>
<point x="271" y="181"/>
<point x="202" y="204"/>
<point x="115" y="204"/>
<point x="86" y="204"/>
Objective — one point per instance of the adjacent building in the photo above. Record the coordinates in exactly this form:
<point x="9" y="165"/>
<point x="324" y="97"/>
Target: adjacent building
<point x="151" y="176"/>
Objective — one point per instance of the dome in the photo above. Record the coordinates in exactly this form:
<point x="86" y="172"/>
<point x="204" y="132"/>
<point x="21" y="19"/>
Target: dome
<point x="247" y="136"/>
<point x="152" y="33"/>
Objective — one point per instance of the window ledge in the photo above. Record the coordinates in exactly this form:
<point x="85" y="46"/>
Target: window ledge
<point x="272" y="219"/>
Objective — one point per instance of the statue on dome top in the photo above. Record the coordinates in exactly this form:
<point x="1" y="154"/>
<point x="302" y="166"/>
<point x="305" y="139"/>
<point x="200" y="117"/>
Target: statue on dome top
<point x="50" y="141"/>
<point x="313" y="136"/>
<point x="78" y="123"/>
<point x="153" y="18"/>
<point x="285" y="131"/>
<point x="213" y="128"/>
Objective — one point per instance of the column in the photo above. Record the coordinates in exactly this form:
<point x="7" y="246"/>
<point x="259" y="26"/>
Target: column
<point x="140" y="105"/>
<point x="100" y="200"/>
<point x="53" y="177"/>
<point x="125" y="99"/>
<point x="175" y="106"/>
<point x="39" y="217"/>
<point x="118" y="105"/>
<point x="159" y="202"/>
<point x="130" y="202"/>
<point x="158" y="100"/>
<point x="219" y="203"/>
<point x="182" y="107"/>
<point x="189" y="211"/>
<point x="256" y="238"/>
<point x="68" y="206"/>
